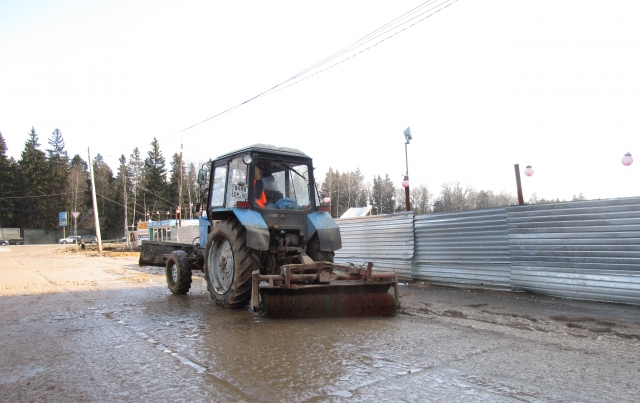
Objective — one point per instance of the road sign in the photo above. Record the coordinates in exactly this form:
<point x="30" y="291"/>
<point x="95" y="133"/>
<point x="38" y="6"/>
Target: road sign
<point x="62" y="219"/>
<point x="75" y="214"/>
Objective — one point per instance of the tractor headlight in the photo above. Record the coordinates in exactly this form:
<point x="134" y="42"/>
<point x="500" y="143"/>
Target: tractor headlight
<point x="247" y="159"/>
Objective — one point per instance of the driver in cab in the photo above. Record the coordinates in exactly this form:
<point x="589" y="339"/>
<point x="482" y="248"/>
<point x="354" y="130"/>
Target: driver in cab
<point x="258" y="188"/>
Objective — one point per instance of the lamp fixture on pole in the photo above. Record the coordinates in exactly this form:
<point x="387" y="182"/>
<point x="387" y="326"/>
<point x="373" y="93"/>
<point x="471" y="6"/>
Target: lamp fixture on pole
<point x="627" y="159"/>
<point x="528" y="170"/>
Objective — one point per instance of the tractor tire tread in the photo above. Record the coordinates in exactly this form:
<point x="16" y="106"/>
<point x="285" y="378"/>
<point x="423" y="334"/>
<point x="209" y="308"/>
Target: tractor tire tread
<point x="181" y="259"/>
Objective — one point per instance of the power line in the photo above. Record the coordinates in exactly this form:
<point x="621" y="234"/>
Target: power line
<point x="367" y="38"/>
<point x="374" y="45"/>
<point x="28" y="197"/>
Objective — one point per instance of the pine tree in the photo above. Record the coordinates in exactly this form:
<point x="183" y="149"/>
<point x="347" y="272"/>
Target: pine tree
<point x="136" y="175"/>
<point x="58" y="172"/>
<point x="383" y="195"/>
<point x="32" y="180"/>
<point x="174" y="182"/>
<point x="192" y="188"/>
<point x="78" y="187"/>
<point x="156" y="180"/>
<point x="7" y="185"/>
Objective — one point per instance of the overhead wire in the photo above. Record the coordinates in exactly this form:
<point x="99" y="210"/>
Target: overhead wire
<point x="365" y="49"/>
<point x="140" y="186"/>
<point x="367" y="38"/>
<point x="370" y="36"/>
<point x="29" y="197"/>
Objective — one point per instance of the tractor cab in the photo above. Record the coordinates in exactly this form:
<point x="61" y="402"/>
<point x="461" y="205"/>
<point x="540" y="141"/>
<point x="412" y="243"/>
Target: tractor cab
<point x="261" y="177"/>
<point x="270" y="191"/>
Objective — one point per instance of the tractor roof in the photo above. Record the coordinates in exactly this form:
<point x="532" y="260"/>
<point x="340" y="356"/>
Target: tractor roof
<point x="266" y="148"/>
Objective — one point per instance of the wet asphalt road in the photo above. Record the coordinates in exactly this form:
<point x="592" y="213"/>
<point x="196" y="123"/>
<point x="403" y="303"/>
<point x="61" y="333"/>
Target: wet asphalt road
<point x="84" y="327"/>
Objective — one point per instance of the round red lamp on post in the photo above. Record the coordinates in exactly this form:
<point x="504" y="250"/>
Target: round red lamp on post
<point x="528" y="171"/>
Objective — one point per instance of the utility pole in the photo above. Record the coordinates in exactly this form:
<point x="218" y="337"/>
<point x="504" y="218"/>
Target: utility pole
<point x="189" y="175"/>
<point x="124" y="188"/>
<point x="95" y="202"/>
<point x="180" y="188"/>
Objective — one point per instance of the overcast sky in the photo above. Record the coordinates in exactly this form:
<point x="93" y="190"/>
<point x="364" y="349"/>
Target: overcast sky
<point x="483" y="85"/>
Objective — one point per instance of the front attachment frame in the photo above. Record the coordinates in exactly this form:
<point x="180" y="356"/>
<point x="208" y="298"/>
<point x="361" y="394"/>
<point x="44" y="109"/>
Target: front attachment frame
<point x="325" y="277"/>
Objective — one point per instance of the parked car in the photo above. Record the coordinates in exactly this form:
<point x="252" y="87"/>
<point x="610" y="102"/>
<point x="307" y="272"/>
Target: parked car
<point x="3" y="242"/>
<point x="70" y="239"/>
<point x="89" y="239"/>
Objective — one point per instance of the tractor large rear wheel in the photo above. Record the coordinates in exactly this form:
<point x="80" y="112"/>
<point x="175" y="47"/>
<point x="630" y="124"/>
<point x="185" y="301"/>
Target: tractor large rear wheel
<point x="229" y="264"/>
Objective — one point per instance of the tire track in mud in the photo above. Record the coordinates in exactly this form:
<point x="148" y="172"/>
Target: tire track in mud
<point x="580" y="327"/>
<point x="147" y="336"/>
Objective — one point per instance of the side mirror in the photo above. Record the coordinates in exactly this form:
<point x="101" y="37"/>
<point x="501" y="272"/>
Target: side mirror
<point x="198" y="207"/>
<point x="202" y="177"/>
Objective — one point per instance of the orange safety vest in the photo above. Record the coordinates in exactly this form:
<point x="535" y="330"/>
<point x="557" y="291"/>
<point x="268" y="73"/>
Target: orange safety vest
<point x="262" y="199"/>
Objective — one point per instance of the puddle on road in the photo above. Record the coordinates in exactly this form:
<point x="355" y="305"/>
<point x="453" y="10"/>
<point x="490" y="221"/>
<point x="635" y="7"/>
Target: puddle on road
<point x="344" y="359"/>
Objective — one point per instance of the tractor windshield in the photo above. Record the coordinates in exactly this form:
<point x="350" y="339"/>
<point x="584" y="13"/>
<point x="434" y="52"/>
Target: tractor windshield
<point x="279" y="184"/>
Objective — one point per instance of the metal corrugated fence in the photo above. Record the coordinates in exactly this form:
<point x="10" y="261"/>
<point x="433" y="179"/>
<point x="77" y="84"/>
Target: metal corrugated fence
<point x="583" y="250"/>
<point x="385" y="240"/>
<point x="186" y="234"/>
<point x="467" y="248"/>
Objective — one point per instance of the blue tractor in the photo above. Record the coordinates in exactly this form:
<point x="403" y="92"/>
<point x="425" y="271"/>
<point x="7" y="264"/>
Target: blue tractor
<point x="267" y="233"/>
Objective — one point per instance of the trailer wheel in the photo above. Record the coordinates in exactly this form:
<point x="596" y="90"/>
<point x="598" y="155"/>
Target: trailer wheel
<point x="229" y="263"/>
<point x="316" y="254"/>
<point x="178" y="271"/>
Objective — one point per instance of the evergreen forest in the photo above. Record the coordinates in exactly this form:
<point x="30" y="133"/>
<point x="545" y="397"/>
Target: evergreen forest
<point x="45" y="181"/>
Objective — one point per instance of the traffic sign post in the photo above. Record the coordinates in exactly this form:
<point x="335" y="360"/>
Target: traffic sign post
<point x="62" y="221"/>
<point x="75" y="215"/>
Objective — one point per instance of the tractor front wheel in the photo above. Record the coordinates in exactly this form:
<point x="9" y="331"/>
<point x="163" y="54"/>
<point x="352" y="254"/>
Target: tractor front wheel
<point x="315" y="253"/>
<point x="229" y="264"/>
<point x="178" y="272"/>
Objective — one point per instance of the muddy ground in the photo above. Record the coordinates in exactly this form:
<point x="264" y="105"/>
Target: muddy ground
<point x="89" y="326"/>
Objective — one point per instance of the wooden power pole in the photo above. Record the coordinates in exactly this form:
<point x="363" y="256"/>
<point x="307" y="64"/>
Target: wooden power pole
<point x="95" y="202"/>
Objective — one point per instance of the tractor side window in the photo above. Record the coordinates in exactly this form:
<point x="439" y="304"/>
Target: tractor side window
<point x="299" y="189"/>
<point x="237" y="185"/>
<point x="217" y="189"/>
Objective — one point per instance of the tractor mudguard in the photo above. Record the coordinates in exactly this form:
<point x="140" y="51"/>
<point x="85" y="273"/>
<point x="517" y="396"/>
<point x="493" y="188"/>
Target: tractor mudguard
<point x="203" y="230"/>
<point x="257" y="230"/>
<point x="327" y="229"/>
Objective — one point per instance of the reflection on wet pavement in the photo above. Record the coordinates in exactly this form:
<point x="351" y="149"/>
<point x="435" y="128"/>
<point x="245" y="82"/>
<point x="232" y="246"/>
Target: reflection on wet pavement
<point x="362" y="359"/>
<point x="113" y="332"/>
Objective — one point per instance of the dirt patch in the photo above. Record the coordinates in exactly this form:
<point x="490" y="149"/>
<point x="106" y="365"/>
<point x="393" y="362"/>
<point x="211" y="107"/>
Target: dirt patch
<point x="108" y="250"/>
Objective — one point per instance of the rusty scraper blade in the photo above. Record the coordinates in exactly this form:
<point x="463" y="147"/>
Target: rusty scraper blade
<point x="328" y="301"/>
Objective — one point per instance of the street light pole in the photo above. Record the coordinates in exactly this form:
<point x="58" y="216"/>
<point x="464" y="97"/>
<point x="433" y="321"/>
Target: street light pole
<point x="405" y="181"/>
<point x="528" y="171"/>
<point x="518" y="184"/>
